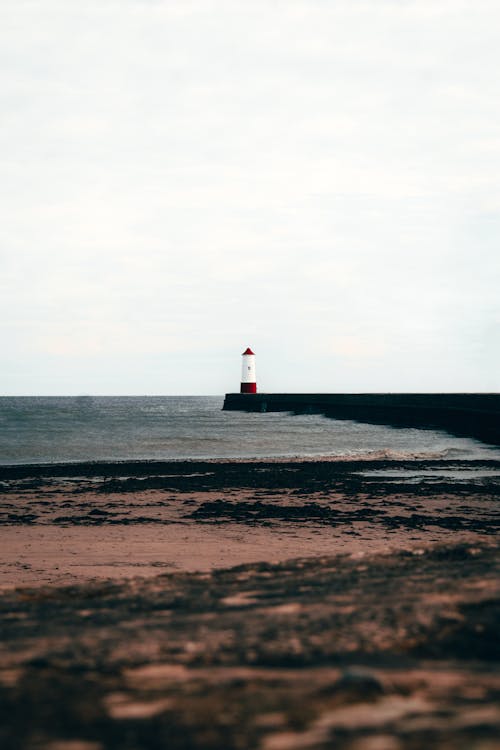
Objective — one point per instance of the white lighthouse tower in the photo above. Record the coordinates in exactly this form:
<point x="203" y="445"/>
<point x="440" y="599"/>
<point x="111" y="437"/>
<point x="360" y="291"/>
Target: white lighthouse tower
<point x="248" y="377"/>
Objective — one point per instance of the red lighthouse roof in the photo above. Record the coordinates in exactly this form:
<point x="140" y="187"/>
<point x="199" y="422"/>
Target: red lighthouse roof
<point x="247" y="351"/>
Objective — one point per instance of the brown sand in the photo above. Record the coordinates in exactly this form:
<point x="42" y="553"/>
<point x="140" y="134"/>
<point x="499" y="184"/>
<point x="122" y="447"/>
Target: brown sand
<point x="141" y="519"/>
<point x="153" y="536"/>
<point x="383" y="635"/>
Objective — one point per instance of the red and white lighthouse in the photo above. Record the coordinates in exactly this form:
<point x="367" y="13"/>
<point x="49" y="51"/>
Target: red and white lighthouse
<point x="248" y="377"/>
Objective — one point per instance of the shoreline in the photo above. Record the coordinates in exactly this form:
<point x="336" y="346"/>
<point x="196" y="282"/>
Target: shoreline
<point x="44" y="468"/>
<point x="262" y="605"/>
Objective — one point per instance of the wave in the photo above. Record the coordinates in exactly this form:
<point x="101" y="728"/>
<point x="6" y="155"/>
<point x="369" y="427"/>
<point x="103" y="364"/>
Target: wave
<point x="387" y="454"/>
<point x="402" y="455"/>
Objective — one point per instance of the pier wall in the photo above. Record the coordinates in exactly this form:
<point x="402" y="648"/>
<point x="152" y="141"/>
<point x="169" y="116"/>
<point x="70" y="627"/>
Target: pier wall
<point x="475" y="415"/>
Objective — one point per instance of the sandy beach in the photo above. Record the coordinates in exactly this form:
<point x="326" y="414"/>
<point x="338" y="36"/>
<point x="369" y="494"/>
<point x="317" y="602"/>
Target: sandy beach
<point x="75" y="523"/>
<point x="250" y="604"/>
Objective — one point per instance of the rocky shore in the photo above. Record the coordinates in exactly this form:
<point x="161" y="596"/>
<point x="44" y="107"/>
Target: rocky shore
<point x="389" y="641"/>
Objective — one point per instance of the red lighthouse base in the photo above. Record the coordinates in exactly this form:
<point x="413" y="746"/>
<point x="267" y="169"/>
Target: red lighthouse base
<point x="248" y="388"/>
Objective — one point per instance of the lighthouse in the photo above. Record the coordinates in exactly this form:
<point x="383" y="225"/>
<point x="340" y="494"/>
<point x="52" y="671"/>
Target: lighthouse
<point x="248" y="378"/>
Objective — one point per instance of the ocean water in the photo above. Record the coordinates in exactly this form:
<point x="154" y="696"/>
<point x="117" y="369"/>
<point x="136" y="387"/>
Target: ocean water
<point x="48" y="430"/>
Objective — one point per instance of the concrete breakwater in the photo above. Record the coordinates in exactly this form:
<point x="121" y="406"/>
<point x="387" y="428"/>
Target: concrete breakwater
<point x="475" y="415"/>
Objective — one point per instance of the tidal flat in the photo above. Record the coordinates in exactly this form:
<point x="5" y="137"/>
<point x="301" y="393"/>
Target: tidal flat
<point x="250" y="604"/>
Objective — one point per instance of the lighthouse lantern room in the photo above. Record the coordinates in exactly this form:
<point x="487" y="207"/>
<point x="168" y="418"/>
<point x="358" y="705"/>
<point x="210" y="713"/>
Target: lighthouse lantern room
<point x="248" y="377"/>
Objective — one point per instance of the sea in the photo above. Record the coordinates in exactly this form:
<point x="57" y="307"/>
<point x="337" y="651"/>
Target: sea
<point x="86" y="428"/>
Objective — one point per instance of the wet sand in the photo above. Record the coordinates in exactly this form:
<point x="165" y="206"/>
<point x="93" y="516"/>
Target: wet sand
<point x="365" y="615"/>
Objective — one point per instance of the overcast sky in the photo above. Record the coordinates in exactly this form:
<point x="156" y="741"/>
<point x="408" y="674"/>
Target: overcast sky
<point x="316" y="179"/>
